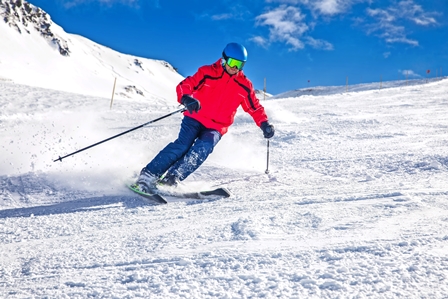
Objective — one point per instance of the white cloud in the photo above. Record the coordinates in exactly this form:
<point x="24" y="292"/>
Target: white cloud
<point x="409" y="10"/>
<point x="330" y="7"/>
<point x="381" y="14"/>
<point x="403" y="40"/>
<point x="409" y="74"/>
<point x="322" y="7"/>
<point x="73" y="3"/>
<point x="389" y="21"/>
<point x="287" y="1"/>
<point x="319" y="44"/>
<point x="388" y="30"/>
<point x="284" y="20"/>
<point x="259" y="40"/>
<point x="286" y="24"/>
<point x="235" y="12"/>
<point x="223" y="16"/>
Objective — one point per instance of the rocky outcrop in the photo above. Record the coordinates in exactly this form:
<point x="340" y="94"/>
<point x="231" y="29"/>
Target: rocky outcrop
<point x="22" y="16"/>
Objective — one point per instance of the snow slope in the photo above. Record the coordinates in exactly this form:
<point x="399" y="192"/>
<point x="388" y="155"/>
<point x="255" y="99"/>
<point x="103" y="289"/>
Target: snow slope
<point x="355" y="204"/>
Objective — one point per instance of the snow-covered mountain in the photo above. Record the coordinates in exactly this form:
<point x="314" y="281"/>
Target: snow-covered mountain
<point x="330" y="90"/>
<point x="35" y="51"/>
<point x="22" y="16"/>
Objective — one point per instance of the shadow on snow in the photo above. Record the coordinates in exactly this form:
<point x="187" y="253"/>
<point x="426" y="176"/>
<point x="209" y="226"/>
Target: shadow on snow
<point x="79" y="205"/>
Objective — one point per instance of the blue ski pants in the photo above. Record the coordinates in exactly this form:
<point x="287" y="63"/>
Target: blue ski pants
<point x="183" y="156"/>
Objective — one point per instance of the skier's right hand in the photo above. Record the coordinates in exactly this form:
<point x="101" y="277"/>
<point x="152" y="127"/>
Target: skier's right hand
<point x="190" y="103"/>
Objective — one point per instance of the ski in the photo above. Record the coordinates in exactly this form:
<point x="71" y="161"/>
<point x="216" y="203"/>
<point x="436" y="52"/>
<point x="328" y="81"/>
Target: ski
<point x="153" y="196"/>
<point x="158" y="197"/>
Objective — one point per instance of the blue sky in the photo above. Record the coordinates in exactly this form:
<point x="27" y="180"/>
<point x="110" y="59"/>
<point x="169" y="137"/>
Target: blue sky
<point x="290" y="42"/>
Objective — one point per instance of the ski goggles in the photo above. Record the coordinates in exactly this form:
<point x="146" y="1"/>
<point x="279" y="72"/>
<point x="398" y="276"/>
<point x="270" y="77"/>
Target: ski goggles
<point x="235" y="63"/>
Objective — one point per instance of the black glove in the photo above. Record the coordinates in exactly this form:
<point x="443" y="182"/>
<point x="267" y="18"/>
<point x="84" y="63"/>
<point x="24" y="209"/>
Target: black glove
<point x="190" y="103"/>
<point x="268" y="130"/>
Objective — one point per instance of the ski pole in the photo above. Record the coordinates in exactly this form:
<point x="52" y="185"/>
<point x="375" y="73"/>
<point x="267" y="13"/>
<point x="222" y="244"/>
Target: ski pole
<point x="267" y="160"/>
<point x="118" y="135"/>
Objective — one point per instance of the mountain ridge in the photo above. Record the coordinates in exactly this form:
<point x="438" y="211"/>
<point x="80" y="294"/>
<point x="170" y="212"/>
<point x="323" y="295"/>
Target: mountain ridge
<point x="36" y="51"/>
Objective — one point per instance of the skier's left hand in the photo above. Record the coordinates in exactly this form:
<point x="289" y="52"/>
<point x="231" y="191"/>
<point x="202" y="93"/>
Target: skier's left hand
<point x="268" y="129"/>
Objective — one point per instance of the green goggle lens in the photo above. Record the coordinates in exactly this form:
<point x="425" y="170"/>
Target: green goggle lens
<point x="235" y="63"/>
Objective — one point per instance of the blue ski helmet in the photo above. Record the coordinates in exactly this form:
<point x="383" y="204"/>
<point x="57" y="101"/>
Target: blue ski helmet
<point x="235" y="51"/>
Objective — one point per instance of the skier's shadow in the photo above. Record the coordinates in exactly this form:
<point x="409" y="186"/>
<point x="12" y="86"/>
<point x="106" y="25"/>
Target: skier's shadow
<point x="75" y="206"/>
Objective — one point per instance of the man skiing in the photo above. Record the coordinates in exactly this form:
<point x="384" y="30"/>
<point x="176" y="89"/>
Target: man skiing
<point x="212" y="96"/>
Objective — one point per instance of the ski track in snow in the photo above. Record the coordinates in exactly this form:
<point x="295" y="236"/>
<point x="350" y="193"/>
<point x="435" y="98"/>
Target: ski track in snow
<point x="355" y="204"/>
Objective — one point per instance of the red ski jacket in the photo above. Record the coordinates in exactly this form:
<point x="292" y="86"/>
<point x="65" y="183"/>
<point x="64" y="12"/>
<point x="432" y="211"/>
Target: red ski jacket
<point x="220" y="95"/>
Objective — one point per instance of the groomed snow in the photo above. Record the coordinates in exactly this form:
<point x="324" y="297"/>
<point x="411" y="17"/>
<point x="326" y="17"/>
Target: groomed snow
<point x="355" y="204"/>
